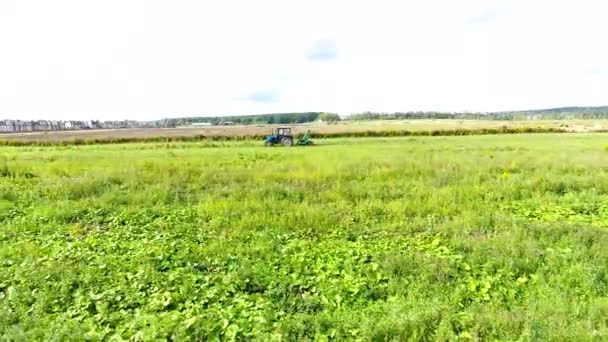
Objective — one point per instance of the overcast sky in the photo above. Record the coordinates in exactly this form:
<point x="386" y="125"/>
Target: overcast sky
<point x="112" y="59"/>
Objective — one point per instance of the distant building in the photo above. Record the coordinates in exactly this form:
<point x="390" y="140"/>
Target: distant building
<point x="198" y="124"/>
<point x="535" y="117"/>
<point x="7" y="126"/>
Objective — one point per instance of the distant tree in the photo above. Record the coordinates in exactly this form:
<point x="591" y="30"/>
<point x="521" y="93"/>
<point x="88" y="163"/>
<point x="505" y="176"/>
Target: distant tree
<point x="329" y="117"/>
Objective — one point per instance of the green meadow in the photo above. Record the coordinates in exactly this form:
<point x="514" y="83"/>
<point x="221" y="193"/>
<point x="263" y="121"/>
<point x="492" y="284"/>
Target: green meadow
<point x="495" y="237"/>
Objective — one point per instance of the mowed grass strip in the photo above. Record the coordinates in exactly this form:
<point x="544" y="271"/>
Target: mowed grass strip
<point x="319" y="129"/>
<point x="422" y="238"/>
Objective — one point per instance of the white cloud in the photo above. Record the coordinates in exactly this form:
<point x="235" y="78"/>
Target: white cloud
<point x="151" y="59"/>
<point x="323" y="50"/>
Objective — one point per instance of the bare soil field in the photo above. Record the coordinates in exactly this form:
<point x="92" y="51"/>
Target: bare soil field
<point x="345" y="126"/>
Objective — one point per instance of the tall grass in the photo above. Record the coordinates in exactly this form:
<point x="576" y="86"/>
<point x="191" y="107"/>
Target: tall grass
<point x="36" y="141"/>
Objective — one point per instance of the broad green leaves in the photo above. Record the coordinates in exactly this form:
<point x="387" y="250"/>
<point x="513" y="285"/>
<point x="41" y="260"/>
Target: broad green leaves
<point x="474" y="238"/>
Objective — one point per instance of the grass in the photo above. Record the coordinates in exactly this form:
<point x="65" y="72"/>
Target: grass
<point x="421" y="238"/>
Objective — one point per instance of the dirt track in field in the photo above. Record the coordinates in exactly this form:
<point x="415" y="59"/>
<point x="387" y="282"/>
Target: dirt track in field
<point x="410" y="125"/>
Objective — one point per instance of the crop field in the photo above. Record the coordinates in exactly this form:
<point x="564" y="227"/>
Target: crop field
<point x="417" y="125"/>
<point x="418" y="238"/>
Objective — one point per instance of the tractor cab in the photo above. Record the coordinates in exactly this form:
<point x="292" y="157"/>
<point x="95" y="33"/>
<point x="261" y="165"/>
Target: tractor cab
<point x="281" y="136"/>
<point x="284" y="132"/>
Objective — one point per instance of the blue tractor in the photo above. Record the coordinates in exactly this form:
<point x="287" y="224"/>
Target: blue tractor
<point x="284" y="137"/>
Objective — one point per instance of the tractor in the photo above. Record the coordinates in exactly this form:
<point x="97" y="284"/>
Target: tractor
<point x="284" y="137"/>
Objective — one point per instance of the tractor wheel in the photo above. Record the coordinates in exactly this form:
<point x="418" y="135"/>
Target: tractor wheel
<point x="287" y="142"/>
<point x="268" y="144"/>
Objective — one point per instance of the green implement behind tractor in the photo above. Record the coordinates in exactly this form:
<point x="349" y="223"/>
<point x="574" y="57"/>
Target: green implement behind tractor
<point x="305" y="140"/>
<point x="284" y="137"/>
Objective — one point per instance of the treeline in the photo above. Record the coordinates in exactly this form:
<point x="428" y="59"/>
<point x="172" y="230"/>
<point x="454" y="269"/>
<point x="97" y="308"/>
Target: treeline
<point x="416" y="115"/>
<point x="579" y="110"/>
<point x="565" y="113"/>
<point x="275" y="118"/>
<point x="18" y="126"/>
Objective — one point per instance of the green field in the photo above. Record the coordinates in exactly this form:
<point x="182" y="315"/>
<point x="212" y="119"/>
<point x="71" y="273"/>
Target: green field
<point x="423" y="238"/>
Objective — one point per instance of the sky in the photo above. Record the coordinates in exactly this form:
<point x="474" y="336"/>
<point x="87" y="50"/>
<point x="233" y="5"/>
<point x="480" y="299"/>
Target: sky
<point x="146" y="60"/>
